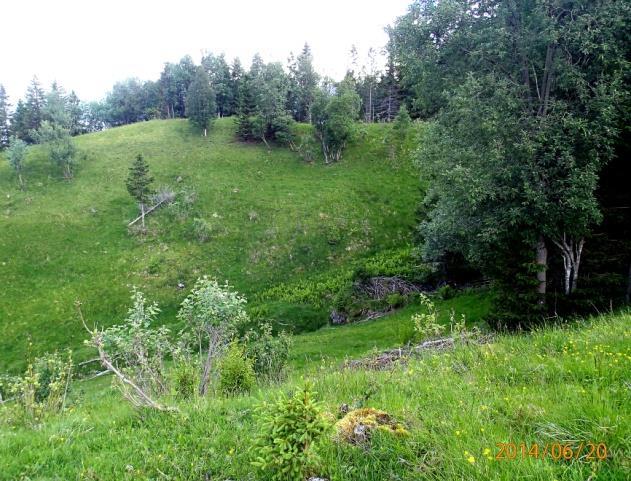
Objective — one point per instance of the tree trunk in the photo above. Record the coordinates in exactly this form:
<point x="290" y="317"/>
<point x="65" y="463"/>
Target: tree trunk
<point x="325" y="151"/>
<point x="542" y="267"/>
<point x="203" y="383"/>
<point x="571" y="251"/>
<point x="205" y="132"/>
<point x="142" y="213"/>
<point x="628" y="296"/>
<point x="212" y="347"/>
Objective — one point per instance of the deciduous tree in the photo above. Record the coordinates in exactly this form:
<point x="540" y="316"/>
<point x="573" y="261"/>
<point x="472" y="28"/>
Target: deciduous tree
<point x="15" y="155"/>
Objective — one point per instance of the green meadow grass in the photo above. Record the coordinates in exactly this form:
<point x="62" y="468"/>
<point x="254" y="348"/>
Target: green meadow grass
<point x="566" y="385"/>
<point x="273" y="219"/>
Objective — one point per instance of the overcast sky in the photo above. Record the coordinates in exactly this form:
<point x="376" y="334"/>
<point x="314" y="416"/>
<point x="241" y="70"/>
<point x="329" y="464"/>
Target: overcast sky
<point x="87" y="45"/>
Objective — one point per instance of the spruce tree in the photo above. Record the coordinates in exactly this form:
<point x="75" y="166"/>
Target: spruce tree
<point x="55" y="110"/>
<point x="304" y="82"/>
<point x="75" y="114"/>
<point x="138" y="182"/>
<point x="200" y="101"/>
<point x="4" y="118"/>
<point x="18" y="121"/>
<point x="34" y="110"/>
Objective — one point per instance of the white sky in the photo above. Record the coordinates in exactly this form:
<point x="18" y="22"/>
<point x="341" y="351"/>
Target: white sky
<point x="87" y="45"/>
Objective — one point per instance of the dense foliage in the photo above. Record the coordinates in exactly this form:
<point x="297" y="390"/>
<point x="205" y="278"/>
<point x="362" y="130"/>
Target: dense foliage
<point x="200" y="101"/>
<point x="525" y="99"/>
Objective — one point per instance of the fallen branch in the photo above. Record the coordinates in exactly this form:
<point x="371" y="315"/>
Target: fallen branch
<point x="97" y="341"/>
<point x="388" y="359"/>
<point x="147" y="212"/>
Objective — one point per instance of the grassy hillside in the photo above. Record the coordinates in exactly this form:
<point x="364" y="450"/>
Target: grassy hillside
<point x="272" y="218"/>
<point x="566" y="385"/>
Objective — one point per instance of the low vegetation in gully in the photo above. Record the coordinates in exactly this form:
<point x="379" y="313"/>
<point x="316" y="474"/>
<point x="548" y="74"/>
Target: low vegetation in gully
<point x="419" y="271"/>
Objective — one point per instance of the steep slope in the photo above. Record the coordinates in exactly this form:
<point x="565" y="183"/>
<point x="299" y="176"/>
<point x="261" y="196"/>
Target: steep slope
<point x="269" y="216"/>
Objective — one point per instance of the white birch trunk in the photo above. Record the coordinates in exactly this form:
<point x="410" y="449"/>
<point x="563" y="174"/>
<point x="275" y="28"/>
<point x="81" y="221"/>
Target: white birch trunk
<point x="542" y="265"/>
<point x="571" y="251"/>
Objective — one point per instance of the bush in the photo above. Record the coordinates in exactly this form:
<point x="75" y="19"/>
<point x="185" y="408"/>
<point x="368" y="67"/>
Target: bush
<point x="236" y="371"/>
<point x="270" y="353"/>
<point x="446" y="292"/>
<point x="396" y="300"/>
<point x="136" y="351"/>
<point x="185" y="378"/>
<point x="42" y="389"/>
<point x="291" y="430"/>
<point x="213" y="313"/>
<point x="426" y="324"/>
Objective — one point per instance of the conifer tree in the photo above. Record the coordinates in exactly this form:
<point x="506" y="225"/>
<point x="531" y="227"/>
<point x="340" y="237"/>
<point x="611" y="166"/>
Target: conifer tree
<point x="75" y="114"/>
<point x="200" y="101"/>
<point x="4" y="118"/>
<point x="34" y="110"/>
<point x="18" y="121"/>
<point x="55" y="109"/>
<point x="138" y="183"/>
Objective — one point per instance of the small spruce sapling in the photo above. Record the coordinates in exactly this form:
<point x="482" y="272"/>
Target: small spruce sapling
<point x="138" y="183"/>
<point x="291" y="430"/>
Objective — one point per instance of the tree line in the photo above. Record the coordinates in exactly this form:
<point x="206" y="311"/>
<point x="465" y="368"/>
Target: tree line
<point x="234" y="90"/>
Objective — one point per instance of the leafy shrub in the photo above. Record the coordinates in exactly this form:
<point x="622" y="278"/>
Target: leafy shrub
<point x="395" y="300"/>
<point x="185" y="378"/>
<point x="139" y="350"/>
<point x="42" y="389"/>
<point x="426" y="324"/>
<point x="270" y="353"/>
<point x="213" y="313"/>
<point x="6" y="382"/>
<point x="236" y="371"/>
<point x="446" y="292"/>
<point x="291" y="429"/>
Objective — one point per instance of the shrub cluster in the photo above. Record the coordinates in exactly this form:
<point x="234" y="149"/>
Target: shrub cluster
<point x="42" y="389"/>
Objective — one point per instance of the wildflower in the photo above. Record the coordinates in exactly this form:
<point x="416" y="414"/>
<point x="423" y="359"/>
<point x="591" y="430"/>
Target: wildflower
<point x="457" y="433"/>
<point x="487" y="451"/>
<point x="471" y="459"/>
